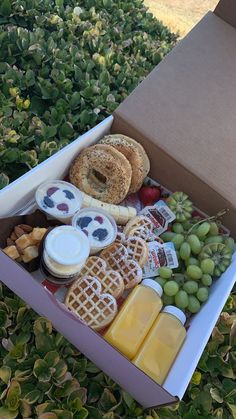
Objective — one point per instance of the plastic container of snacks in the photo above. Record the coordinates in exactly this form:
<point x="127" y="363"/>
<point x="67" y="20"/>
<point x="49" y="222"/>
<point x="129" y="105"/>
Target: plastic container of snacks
<point x="162" y="344"/>
<point x="66" y="250"/>
<point x="99" y="226"/>
<point x="135" y="318"/>
<point x="59" y="199"/>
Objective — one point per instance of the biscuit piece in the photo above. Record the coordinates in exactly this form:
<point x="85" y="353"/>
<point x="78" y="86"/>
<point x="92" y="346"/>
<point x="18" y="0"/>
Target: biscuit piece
<point x="23" y="242"/>
<point x="102" y="172"/>
<point x="30" y="253"/>
<point x="12" y="252"/>
<point x="37" y="234"/>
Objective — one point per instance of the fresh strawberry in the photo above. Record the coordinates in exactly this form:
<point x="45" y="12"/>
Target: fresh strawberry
<point x="148" y="195"/>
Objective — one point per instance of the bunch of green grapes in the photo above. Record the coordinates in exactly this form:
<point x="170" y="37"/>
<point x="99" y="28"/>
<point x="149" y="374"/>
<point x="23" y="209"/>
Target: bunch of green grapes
<point x="203" y="255"/>
<point x="182" y="291"/>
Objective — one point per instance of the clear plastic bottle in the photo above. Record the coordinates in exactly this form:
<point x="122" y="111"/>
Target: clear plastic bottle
<point x="162" y="344"/>
<point x="135" y="318"/>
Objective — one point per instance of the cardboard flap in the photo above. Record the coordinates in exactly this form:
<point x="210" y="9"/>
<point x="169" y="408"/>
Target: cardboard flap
<point x="187" y="106"/>
<point x="226" y="10"/>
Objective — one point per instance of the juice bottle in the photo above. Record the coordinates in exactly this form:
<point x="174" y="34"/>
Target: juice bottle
<point x="162" y="344"/>
<point x="135" y="318"/>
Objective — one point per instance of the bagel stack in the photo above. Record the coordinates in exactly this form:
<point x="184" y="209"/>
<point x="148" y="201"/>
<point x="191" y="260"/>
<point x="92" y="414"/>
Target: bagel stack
<point x="111" y="169"/>
<point x="135" y="154"/>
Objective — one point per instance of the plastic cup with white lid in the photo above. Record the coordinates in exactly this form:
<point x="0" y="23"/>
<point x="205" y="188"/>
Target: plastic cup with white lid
<point x="66" y="250"/>
<point x="99" y="226"/>
<point x="59" y="199"/>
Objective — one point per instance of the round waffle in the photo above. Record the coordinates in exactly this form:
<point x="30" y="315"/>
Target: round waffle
<point x="137" y="249"/>
<point x="85" y="299"/>
<point x="140" y="226"/>
<point x="111" y="281"/>
<point x="117" y="258"/>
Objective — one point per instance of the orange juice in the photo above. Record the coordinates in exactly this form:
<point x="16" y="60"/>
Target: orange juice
<point x="135" y="318"/>
<point x="162" y="344"/>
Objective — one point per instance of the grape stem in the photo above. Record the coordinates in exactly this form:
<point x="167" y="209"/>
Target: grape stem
<point x="219" y="214"/>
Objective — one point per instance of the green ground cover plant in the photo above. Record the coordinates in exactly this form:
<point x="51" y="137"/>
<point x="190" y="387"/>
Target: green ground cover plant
<point x="62" y="70"/>
<point x="43" y="376"/>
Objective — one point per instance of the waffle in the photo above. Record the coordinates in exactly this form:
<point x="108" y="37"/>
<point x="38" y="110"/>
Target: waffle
<point x="111" y="281"/>
<point x="117" y="258"/>
<point x="136" y="246"/>
<point x="140" y="226"/>
<point x="120" y="237"/>
<point x="85" y="299"/>
<point x="137" y="249"/>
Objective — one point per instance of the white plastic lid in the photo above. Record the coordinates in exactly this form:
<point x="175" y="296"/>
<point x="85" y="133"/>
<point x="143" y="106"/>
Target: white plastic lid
<point x="154" y="285"/>
<point x="75" y="203"/>
<point x="67" y="245"/>
<point x="98" y="211"/>
<point x="175" y="312"/>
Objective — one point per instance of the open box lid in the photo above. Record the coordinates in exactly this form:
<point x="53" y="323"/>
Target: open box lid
<point x="184" y="113"/>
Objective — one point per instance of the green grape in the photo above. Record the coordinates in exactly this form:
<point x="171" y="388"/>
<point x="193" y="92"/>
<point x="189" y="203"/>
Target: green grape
<point x="194" y="272"/>
<point x="193" y="304"/>
<point x="171" y="288"/>
<point x="190" y="287"/>
<point x="206" y="280"/>
<point x="178" y="240"/>
<point x="217" y="272"/>
<point x="187" y="225"/>
<point x="224" y="265"/>
<point x="194" y="243"/>
<point x="202" y="294"/>
<point x="220" y="254"/>
<point x="181" y="299"/>
<point x="167" y="236"/>
<point x="165" y="272"/>
<point x="177" y="228"/>
<point x="185" y="251"/>
<point x="180" y="205"/>
<point x="167" y="300"/>
<point x="192" y="261"/>
<point x="214" y="229"/>
<point x="214" y="239"/>
<point x="230" y="243"/>
<point x="203" y="229"/>
<point x="160" y="281"/>
<point x="179" y="278"/>
<point x="207" y="266"/>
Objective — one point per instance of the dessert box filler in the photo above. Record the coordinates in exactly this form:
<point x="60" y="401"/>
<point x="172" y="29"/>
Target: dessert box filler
<point x="183" y="115"/>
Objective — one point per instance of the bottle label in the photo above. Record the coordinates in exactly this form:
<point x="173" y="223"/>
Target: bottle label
<point x="160" y="216"/>
<point x="160" y="255"/>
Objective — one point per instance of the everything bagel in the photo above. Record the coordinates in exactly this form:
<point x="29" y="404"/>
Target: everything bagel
<point x="103" y="173"/>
